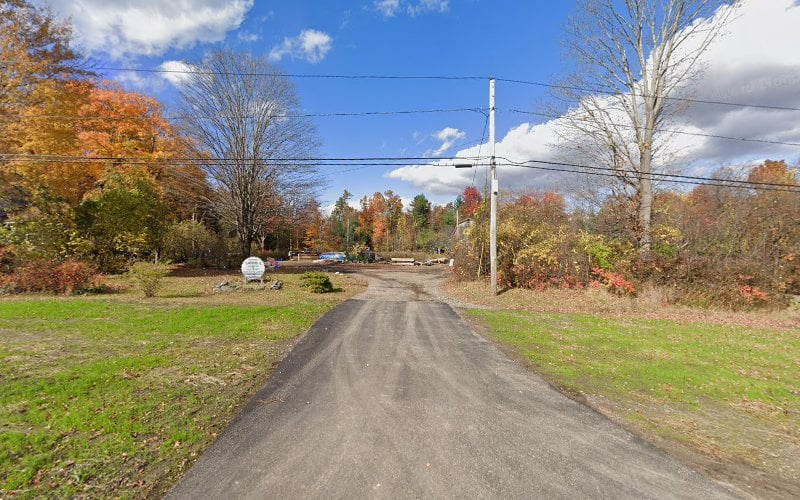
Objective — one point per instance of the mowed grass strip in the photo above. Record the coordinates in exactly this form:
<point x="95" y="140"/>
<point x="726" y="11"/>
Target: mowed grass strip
<point x="115" y="396"/>
<point x="729" y="392"/>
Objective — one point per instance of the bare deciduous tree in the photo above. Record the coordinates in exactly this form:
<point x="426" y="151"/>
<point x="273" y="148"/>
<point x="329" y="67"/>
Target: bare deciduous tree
<point x="631" y="56"/>
<point x="245" y="117"/>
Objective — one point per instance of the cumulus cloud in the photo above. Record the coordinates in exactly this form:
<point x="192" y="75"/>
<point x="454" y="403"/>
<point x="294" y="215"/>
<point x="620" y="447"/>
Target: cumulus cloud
<point x="390" y="8"/>
<point x="448" y="136"/>
<point x="140" y="81"/>
<point x="523" y="142"/>
<point x="755" y="61"/>
<point x="176" y="72"/>
<point x="311" y="45"/>
<point x="125" y="28"/>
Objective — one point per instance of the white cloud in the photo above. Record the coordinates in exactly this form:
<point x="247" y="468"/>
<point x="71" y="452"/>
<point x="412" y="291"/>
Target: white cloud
<point x="425" y="6"/>
<point x="390" y="8"/>
<point x="756" y="61"/>
<point x="139" y="81"/>
<point x="176" y="72"/>
<point x="387" y="7"/>
<point x="247" y="36"/>
<point x="124" y="28"/>
<point x="448" y="136"/>
<point x="523" y="142"/>
<point x="311" y="45"/>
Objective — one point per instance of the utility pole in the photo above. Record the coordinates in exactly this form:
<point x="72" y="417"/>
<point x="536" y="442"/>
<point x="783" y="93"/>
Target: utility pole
<point x="494" y="193"/>
<point x="495" y="190"/>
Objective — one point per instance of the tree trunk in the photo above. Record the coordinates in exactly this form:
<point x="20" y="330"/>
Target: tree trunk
<point x="247" y="243"/>
<point x="645" y="181"/>
<point x="645" y="213"/>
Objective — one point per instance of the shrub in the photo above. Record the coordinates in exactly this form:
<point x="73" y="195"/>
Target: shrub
<point x="48" y="276"/>
<point x="316" y="282"/>
<point x="7" y="259"/>
<point x="148" y="276"/>
<point x="7" y="284"/>
<point x="188" y="241"/>
<point x="615" y="282"/>
<point x="467" y="264"/>
<point x="272" y="254"/>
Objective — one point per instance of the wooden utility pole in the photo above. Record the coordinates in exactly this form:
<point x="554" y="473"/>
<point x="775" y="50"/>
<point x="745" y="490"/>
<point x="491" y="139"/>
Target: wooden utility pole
<point x="494" y="193"/>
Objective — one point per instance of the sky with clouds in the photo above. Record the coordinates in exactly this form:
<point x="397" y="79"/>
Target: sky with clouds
<point x="756" y="61"/>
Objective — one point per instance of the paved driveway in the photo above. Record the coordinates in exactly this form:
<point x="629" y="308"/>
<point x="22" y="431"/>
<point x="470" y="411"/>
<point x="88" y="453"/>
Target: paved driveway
<point x="391" y="395"/>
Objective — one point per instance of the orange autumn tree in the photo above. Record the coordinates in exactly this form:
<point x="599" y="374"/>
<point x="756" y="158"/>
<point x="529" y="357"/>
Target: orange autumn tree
<point x="88" y="132"/>
<point x="37" y="63"/>
<point x="34" y="49"/>
<point x="131" y="135"/>
<point x="128" y="129"/>
<point x="773" y="223"/>
<point x="48" y="133"/>
<point x="371" y="220"/>
<point x="378" y="219"/>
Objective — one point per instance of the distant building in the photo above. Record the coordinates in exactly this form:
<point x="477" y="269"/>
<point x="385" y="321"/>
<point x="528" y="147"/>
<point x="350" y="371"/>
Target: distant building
<point x="462" y="226"/>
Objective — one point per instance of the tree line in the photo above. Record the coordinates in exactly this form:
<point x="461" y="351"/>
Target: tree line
<point x="382" y="224"/>
<point x="713" y="246"/>
<point x="92" y="172"/>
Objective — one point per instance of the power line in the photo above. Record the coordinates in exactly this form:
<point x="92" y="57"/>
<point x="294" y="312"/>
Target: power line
<point x="30" y="156"/>
<point x="299" y="75"/>
<point x="411" y="112"/>
<point x="671" y="98"/>
<point x="655" y="174"/>
<point x="483" y="134"/>
<point x="293" y="115"/>
<point x="718" y="183"/>
<point x="595" y="90"/>
<point x="671" y="178"/>
<point x="364" y="162"/>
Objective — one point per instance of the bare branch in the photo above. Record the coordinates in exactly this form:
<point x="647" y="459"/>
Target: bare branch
<point x="645" y="50"/>
<point x="243" y="121"/>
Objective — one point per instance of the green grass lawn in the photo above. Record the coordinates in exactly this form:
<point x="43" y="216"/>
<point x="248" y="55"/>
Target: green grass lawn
<point x="729" y="392"/>
<point x="114" y="396"/>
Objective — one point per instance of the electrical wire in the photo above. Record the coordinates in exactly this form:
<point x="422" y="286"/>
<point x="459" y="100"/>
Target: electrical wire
<point x="670" y="98"/>
<point x="595" y="90"/>
<point x="200" y="159"/>
<point x="671" y="178"/>
<point x="483" y="134"/>
<point x="365" y="162"/>
<point x="677" y="176"/>
<point x="419" y="111"/>
<point x="292" y="115"/>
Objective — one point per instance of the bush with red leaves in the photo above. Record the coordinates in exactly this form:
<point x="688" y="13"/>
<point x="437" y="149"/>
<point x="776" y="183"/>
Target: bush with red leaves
<point x="53" y="277"/>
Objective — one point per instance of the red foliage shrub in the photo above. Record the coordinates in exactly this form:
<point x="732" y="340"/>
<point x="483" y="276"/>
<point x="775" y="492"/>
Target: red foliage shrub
<point x="615" y="282"/>
<point x="753" y="295"/>
<point x="6" y="284"/>
<point x="53" y="277"/>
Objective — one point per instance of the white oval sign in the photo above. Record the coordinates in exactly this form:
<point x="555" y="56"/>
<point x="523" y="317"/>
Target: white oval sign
<point x="253" y="268"/>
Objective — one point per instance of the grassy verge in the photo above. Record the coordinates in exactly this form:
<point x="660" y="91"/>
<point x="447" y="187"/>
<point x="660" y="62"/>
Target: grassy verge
<point x="114" y="396"/>
<point x="731" y="393"/>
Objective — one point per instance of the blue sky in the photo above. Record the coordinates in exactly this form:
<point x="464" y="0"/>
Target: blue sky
<point x="516" y="39"/>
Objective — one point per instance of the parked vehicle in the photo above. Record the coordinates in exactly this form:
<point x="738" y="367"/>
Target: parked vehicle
<point x="333" y="257"/>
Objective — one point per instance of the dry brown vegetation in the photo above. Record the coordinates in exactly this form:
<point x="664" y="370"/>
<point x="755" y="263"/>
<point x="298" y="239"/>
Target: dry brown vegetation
<point x="651" y="303"/>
